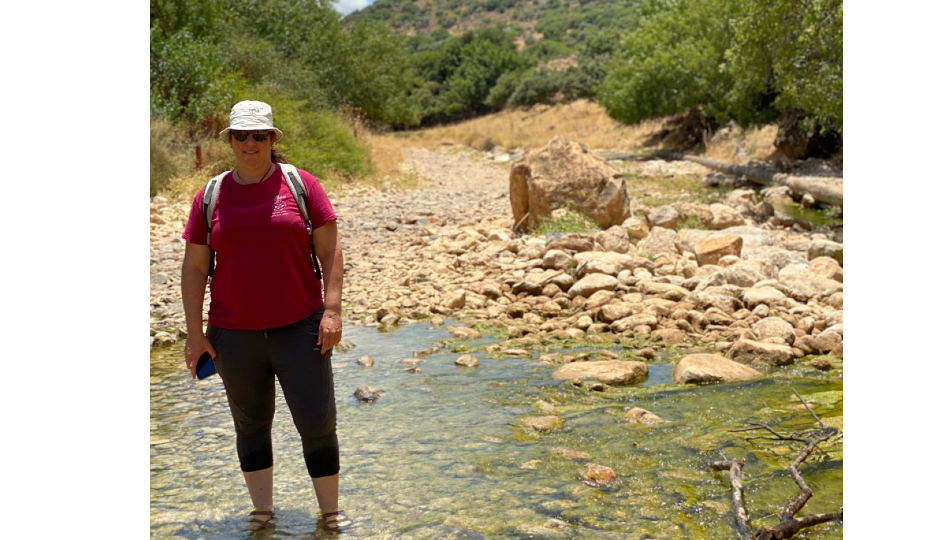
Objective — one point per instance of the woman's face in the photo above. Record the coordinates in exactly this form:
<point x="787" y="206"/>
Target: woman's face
<point x="251" y="153"/>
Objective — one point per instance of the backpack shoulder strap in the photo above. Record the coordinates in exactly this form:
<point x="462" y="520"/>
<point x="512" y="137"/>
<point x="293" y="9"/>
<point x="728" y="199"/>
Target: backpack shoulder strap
<point x="210" y="198"/>
<point x="299" y="190"/>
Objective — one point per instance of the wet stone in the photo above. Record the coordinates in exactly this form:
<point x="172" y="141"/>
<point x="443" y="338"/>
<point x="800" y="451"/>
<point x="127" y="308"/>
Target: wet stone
<point x="543" y="423"/>
<point x="466" y="360"/>
<point x="599" y="475"/>
<point x="368" y="393"/>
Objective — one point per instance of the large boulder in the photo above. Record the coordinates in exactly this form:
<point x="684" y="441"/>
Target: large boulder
<point x="565" y="174"/>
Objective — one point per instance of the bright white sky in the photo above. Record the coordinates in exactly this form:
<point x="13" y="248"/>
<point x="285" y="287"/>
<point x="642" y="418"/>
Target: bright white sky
<point x="346" y="7"/>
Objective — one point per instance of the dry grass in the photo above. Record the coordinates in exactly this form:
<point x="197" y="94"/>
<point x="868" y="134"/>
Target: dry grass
<point x="177" y="176"/>
<point x="741" y="146"/>
<point x="580" y="120"/>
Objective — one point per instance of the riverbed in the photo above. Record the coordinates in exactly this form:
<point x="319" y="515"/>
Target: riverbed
<point x="442" y="453"/>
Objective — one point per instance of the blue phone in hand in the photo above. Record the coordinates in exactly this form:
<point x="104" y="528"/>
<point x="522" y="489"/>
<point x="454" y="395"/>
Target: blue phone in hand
<point x="205" y="367"/>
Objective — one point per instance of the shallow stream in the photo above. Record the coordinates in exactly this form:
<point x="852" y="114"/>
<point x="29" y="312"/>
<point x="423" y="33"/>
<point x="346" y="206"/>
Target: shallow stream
<point x="442" y="455"/>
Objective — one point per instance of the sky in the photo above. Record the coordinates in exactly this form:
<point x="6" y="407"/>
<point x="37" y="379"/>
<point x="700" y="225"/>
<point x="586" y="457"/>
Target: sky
<point x="348" y="6"/>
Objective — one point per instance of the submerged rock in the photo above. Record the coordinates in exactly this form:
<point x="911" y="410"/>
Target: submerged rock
<point x="466" y="360"/>
<point x="570" y="454"/>
<point x="368" y="393"/>
<point x="365" y="361"/>
<point x="411" y="362"/>
<point x="543" y="423"/>
<point x="464" y="332"/>
<point x="599" y="475"/>
<point x="345" y="346"/>
<point x="643" y="416"/>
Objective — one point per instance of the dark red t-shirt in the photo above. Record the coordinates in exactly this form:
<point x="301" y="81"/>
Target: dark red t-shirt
<point x="264" y="276"/>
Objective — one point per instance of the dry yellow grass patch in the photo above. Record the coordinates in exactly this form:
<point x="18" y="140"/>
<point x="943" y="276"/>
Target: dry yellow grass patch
<point x="580" y="120"/>
<point x="387" y="151"/>
<point x="180" y="178"/>
<point x="755" y="144"/>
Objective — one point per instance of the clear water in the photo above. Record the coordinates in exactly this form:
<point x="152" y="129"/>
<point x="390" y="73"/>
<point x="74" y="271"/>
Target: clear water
<point x="441" y="454"/>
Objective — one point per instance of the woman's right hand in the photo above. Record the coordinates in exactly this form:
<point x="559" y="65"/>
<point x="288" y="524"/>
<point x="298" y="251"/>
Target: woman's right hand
<point x="195" y="346"/>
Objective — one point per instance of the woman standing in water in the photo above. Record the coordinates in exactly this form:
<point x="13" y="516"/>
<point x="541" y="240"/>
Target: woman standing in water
<point x="267" y="316"/>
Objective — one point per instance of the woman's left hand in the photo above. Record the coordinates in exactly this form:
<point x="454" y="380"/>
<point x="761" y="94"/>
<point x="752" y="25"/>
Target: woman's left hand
<point x="331" y="330"/>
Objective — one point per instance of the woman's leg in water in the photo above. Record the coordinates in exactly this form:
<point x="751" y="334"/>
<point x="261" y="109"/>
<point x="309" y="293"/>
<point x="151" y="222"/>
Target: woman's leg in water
<point x="260" y="485"/>
<point x="306" y="377"/>
<point x="244" y="366"/>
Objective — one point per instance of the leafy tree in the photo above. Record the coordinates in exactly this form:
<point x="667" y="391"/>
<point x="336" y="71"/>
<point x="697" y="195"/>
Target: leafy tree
<point x="794" y="48"/>
<point x="455" y="81"/>
<point x="745" y="59"/>
<point x="671" y="63"/>
<point x="188" y="77"/>
<point x="504" y="87"/>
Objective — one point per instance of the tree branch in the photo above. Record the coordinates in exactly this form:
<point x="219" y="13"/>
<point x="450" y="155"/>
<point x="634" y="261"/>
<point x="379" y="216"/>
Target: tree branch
<point x="788" y="524"/>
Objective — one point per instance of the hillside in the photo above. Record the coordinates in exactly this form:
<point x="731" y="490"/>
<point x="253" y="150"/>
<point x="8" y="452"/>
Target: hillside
<point x="568" y="21"/>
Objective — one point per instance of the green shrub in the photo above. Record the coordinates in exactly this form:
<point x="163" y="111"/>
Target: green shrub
<point x="316" y="140"/>
<point x="538" y="87"/>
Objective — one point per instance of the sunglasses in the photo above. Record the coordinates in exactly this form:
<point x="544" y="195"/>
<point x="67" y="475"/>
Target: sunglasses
<point x="259" y="136"/>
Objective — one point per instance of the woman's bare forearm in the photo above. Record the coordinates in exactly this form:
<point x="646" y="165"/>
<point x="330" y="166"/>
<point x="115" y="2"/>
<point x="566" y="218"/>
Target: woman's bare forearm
<point x="333" y="295"/>
<point x="192" y="297"/>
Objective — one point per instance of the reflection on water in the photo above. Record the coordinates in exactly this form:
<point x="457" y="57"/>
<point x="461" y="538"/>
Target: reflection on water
<point x="441" y="455"/>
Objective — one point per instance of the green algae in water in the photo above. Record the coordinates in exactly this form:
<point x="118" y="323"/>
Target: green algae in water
<point x="823" y="398"/>
<point x="815" y="216"/>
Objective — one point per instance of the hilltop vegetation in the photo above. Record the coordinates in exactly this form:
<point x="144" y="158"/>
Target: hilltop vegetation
<point x="399" y="64"/>
<point x="566" y="21"/>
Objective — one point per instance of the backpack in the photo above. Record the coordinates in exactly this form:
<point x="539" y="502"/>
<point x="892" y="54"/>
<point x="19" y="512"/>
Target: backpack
<point x="297" y="188"/>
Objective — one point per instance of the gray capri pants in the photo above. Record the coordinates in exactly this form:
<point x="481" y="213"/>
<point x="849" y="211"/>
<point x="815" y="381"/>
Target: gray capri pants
<point x="248" y="360"/>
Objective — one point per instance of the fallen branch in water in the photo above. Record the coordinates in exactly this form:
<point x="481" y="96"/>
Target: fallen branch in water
<point x="788" y="524"/>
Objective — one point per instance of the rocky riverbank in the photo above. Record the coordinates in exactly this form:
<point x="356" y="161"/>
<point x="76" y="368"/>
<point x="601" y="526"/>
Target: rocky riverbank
<point x="735" y="277"/>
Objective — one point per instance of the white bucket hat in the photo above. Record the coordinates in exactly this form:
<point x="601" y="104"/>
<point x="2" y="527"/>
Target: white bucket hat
<point x="250" y="116"/>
